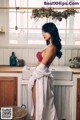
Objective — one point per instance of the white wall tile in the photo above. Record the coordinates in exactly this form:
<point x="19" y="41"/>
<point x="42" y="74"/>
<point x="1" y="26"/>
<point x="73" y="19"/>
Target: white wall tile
<point x="78" y="53"/>
<point x="6" y="56"/>
<point x="29" y="55"/>
<point x="55" y="62"/>
<point x="1" y="57"/>
<point x="25" y="55"/>
<point x="67" y="56"/>
<point x="74" y="53"/>
<point x="62" y="59"/>
<point x="19" y="53"/>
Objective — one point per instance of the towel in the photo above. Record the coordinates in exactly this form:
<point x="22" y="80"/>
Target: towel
<point x="45" y="109"/>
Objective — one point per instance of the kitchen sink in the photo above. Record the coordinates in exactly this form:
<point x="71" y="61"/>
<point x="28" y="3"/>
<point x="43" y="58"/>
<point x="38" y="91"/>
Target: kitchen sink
<point x="58" y="72"/>
<point x="61" y="72"/>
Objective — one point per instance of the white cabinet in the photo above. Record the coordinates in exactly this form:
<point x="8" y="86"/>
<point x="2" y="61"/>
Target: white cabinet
<point x="76" y="99"/>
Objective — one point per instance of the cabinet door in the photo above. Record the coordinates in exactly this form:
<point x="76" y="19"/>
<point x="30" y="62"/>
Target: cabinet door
<point x="8" y="91"/>
<point x="78" y="100"/>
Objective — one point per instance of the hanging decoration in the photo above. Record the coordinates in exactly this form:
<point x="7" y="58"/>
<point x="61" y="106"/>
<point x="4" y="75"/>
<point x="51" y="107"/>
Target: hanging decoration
<point x="16" y="27"/>
<point x="50" y="12"/>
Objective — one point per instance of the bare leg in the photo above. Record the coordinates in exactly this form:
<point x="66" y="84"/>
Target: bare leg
<point x="34" y="100"/>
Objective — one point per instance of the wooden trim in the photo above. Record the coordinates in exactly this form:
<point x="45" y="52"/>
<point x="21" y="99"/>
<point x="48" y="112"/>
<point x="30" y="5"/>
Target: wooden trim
<point x="7" y="78"/>
<point x="37" y="46"/>
<point x="30" y="8"/>
<point x="2" y="32"/>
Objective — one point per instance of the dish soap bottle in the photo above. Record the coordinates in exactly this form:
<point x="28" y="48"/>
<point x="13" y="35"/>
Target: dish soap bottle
<point x="13" y="59"/>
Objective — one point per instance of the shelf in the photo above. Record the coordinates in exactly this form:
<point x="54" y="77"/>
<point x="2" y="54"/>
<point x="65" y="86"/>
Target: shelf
<point x="2" y="31"/>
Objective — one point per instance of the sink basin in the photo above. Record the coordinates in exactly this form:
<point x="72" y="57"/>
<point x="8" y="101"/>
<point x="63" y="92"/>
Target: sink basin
<point x="61" y="72"/>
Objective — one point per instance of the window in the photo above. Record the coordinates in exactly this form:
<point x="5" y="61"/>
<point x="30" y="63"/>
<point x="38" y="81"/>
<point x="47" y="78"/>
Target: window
<point x="29" y="30"/>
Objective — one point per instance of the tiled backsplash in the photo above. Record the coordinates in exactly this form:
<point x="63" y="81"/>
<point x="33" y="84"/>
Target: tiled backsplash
<point x="29" y="55"/>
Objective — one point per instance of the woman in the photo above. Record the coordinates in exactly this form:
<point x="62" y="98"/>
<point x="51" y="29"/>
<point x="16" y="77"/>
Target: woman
<point x="40" y="82"/>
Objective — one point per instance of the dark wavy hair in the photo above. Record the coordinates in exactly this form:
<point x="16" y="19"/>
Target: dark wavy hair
<point x="53" y="31"/>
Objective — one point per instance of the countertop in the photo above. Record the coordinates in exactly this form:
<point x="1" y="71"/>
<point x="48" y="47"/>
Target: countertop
<point x="11" y="69"/>
<point x="75" y="70"/>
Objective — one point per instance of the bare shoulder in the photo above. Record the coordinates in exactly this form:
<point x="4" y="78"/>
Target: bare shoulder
<point x="42" y="50"/>
<point x="51" y="49"/>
